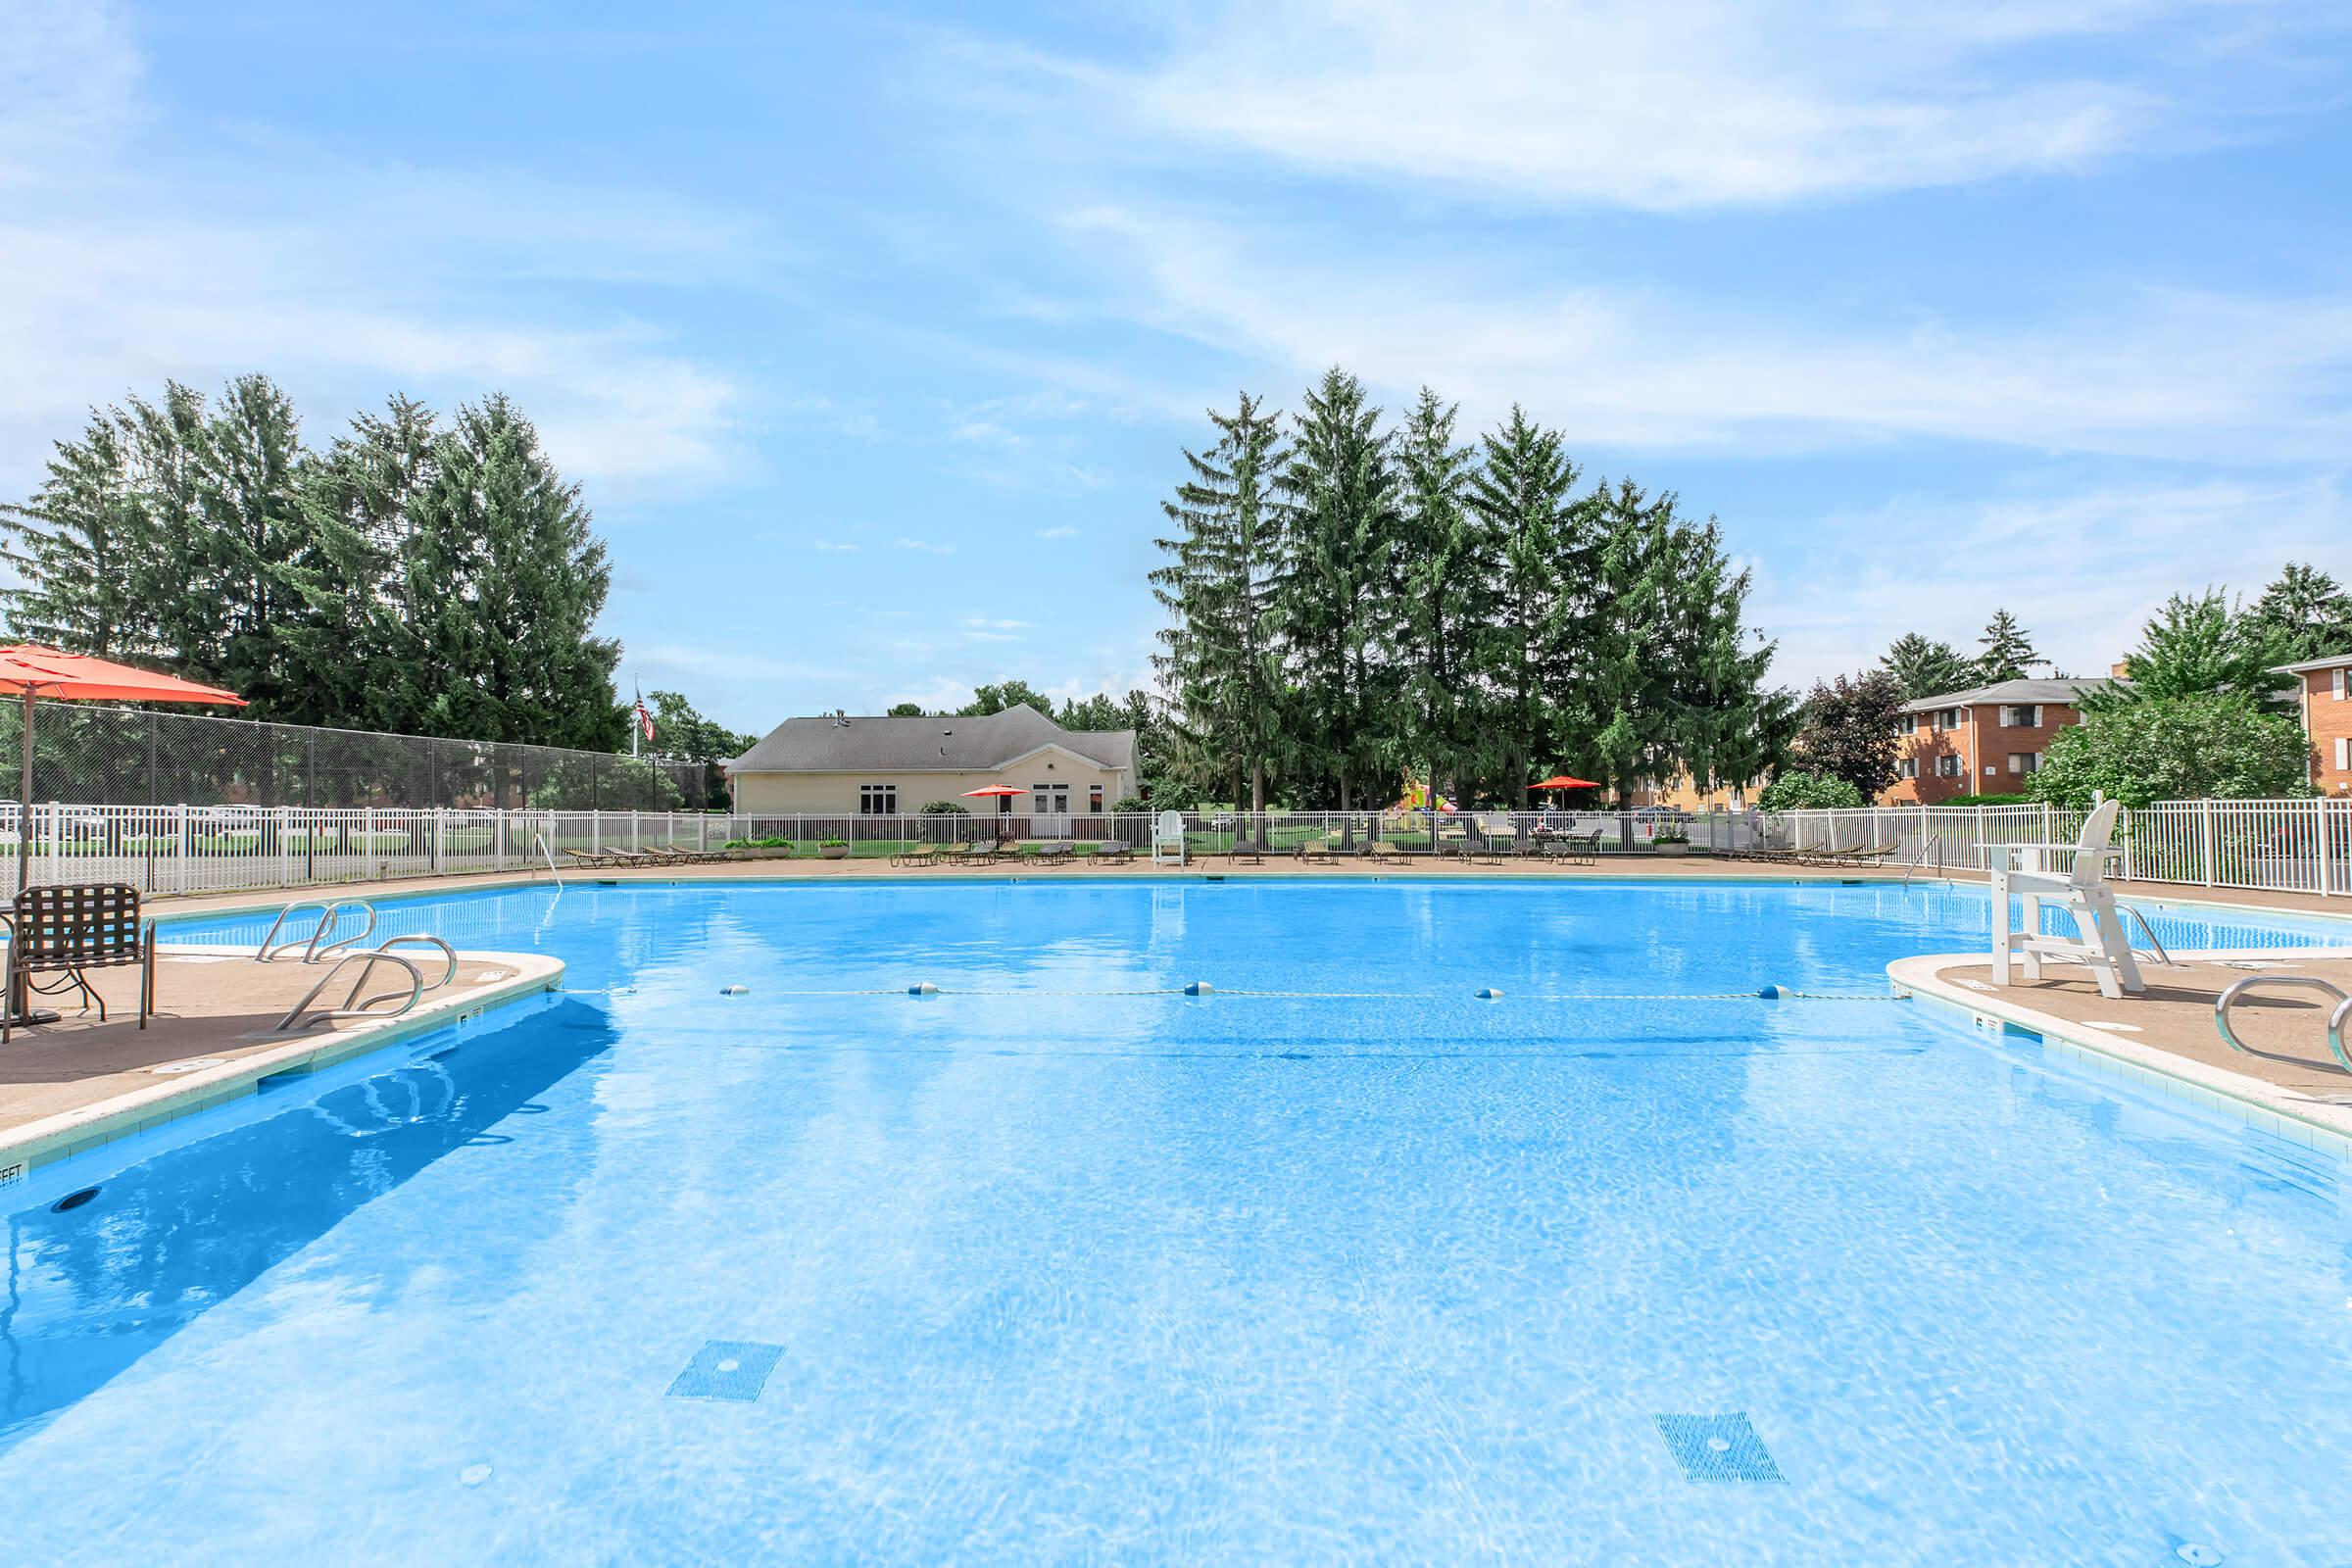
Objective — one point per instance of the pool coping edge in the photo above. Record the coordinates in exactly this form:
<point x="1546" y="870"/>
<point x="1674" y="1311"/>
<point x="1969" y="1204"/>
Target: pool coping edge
<point x="2249" y="1101"/>
<point x="28" y="1148"/>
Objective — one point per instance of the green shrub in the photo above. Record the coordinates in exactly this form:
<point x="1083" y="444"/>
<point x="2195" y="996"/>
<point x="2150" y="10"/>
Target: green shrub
<point x="832" y="844"/>
<point x="1989" y="799"/>
<point x="1800" y="791"/>
<point x="1130" y="802"/>
<point x="2177" y="749"/>
<point x="946" y="808"/>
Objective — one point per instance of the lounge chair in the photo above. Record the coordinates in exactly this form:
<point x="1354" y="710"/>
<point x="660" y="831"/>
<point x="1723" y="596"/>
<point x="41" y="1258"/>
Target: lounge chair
<point x="971" y="852"/>
<point x="1005" y="849"/>
<point x="66" y="930"/>
<point x="921" y="854"/>
<point x="1382" y="851"/>
<point x="1252" y="851"/>
<point x="1315" y="851"/>
<point x="1056" y="853"/>
<point x="591" y="860"/>
<point x="1114" y="852"/>
<point x="1874" y="855"/>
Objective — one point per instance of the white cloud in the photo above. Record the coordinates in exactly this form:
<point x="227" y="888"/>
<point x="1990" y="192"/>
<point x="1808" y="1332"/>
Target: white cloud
<point x="1058" y="532"/>
<point x="2151" y="371"/>
<point x="925" y="545"/>
<point x="2083" y="571"/>
<point x="833" y="546"/>
<point x="998" y="625"/>
<point x="1674" y="106"/>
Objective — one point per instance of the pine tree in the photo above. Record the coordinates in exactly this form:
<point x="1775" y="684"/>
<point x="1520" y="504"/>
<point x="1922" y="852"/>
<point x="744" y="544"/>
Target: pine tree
<point x="1223" y="661"/>
<point x="506" y="578"/>
<point x="74" y="544"/>
<point x="257" y="542"/>
<point x="1542" y="541"/>
<point x="1444" y="594"/>
<point x="1334" y="592"/>
<point x="362" y="643"/>
<point x="1927" y="669"/>
<point x="2305" y="615"/>
<point x="2008" y="652"/>
<point x="175" y="576"/>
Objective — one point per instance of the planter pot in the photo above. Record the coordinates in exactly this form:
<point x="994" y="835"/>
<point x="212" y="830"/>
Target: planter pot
<point x="834" y="852"/>
<point x="1671" y="849"/>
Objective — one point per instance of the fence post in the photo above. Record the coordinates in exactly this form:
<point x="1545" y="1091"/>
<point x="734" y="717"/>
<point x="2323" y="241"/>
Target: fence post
<point x="2205" y="838"/>
<point x="634" y="845"/>
<point x="2325" y="881"/>
<point x="2124" y="823"/>
<point x="498" y="839"/>
<point x="286" y="847"/>
<point x="180" y="848"/>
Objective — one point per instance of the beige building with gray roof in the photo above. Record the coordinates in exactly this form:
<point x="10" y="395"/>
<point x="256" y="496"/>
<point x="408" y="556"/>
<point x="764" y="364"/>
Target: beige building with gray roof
<point x="836" y="764"/>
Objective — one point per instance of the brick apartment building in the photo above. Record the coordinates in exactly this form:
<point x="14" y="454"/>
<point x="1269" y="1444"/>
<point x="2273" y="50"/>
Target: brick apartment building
<point x="2326" y="710"/>
<point x="1986" y="741"/>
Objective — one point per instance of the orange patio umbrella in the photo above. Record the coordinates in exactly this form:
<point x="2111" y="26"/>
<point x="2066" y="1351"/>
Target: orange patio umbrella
<point x="29" y="671"/>
<point x="1561" y="781"/>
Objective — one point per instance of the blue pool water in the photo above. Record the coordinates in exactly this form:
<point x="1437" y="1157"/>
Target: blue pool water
<point x="1058" y="1267"/>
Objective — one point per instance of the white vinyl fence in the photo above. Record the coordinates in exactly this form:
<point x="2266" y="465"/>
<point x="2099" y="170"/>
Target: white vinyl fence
<point x="2284" y="846"/>
<point x="2275" y="846"/>
<point x="223" y="848"/>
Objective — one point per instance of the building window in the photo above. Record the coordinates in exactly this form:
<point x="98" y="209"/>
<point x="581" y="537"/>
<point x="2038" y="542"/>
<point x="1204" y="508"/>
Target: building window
<point x="1094" y="798"/>
<point x="2342" y="676"/>
<point x="1908" y="767"/>
<point x="1908" y="724"/>
<point x="2026" y="715"/>
<point x="1948" y="766"/>
<point x="2024" y="761"/>
<point x="877" y="800"/>
<point x="2343" y="753"/>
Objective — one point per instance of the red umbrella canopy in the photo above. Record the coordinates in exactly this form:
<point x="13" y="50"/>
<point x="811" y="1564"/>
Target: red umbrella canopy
<point x="1561" y="781"/>
<point x="29" y="669"/>
<point x="996" y="789"/>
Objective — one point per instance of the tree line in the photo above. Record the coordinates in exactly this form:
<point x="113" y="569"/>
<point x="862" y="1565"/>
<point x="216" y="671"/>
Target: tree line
<point x="2204" y="713"/>
<point x="419" y="574"/>
<point x="1351" y="603"/>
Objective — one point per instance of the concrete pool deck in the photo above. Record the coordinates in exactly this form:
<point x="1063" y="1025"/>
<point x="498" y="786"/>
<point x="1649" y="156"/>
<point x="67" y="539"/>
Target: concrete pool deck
<point x="77" y="1083"/>
<point x="1609" y="867"/>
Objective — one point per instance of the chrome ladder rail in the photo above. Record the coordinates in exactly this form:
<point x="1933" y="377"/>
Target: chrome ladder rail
<point x="2336" y="1018"/>
<point x="2148" y="931"/>
<point x="329" y="910"/>
<point x="540" y="839"/>
<point x="1919" y="861"/>
<point x="353" y="1006"/>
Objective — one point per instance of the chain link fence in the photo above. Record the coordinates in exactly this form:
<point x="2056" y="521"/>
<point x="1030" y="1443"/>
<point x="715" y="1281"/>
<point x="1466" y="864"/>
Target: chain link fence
<point x="100" y="755"/>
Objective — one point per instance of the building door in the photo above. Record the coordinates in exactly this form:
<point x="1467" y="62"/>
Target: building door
<point x="1050" y="806"/>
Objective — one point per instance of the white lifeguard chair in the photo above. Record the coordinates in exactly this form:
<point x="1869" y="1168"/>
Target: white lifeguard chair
<point x="1167" y="839"/>
<point x="2023" y="870"/>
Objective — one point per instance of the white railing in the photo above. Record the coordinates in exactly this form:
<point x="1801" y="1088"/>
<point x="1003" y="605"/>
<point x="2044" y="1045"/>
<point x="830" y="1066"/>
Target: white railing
<point x="2272" y="846"/>
<point x="2282" y="846"/>
<point x="226" y="849"/>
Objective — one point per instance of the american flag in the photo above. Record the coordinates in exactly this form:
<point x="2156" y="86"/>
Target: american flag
<point x="645" y="720"/>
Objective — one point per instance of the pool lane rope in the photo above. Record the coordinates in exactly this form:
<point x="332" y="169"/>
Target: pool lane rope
<point x="1204" y="988"/>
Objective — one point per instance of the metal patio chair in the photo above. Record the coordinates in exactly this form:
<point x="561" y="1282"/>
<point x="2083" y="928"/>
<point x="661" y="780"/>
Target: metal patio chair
<point x="66" y="930"/>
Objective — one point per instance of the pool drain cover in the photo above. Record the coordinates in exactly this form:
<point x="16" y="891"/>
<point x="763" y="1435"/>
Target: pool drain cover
<point x="1718" y="1448"/>
<point x="726" y="1369"/>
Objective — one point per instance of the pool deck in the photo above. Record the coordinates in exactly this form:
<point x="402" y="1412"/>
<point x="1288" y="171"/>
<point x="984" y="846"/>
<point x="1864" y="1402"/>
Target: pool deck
<point x="2165" y="1037"/>
<point x="77" y="1083"/>
<point x="1608" y="868"/>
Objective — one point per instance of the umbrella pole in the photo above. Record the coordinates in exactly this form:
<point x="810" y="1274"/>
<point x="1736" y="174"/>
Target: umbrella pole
<point x="25" y="801"/>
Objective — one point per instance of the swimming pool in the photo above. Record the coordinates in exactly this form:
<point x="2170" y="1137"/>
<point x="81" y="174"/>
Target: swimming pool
<point x="1058" y="1265"/>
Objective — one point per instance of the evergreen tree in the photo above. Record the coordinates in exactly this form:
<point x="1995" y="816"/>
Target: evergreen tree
<point x="506" y="578"/>
<point x="175" y="577"/>
<point x="1543" y="544"/>
<point x="2008" y="653"/>
<point x="903" y="711"/>
<point x="1334" y="589"/>
<point x="1443" y="595"/>
<point x="74" y="544"/>
<point x="258" y="557"/>
<point x="1925" y="668"/>
<point x="2196" y="646"/>
<point x="2304" y="615"/>
<point x="1222" y="662"/>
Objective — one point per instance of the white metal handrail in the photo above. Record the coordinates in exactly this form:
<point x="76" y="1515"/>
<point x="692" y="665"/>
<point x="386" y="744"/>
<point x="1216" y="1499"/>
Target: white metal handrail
<point x="2307" y="982"/>
<point x="354" y="1006"/>
<point x="329" y="912"/>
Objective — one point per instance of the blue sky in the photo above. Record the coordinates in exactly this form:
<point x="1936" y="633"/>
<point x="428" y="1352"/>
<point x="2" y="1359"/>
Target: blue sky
<point x="872" y="333"/>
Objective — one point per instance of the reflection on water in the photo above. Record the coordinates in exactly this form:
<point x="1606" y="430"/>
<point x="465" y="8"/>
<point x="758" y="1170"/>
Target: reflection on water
<point x="92" y="1289"/>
